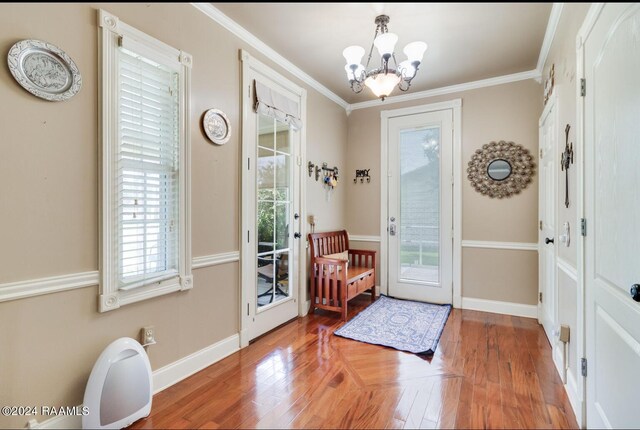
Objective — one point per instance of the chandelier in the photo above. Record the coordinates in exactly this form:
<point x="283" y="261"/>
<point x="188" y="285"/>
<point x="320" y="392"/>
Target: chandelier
<point x="382" y="80"/>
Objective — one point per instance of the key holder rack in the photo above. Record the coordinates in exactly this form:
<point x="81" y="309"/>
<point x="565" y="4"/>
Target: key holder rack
<point x="362" y="174"/>
<point x="325" y="170"/>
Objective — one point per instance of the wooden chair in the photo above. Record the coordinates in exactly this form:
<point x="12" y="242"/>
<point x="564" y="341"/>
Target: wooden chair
<point x="333" y="281"/>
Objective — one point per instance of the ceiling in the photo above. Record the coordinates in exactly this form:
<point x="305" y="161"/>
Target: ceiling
<point x="467" y="42"/>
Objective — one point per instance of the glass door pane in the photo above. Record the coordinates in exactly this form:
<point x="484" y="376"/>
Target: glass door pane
<point x="274" y="177"/>
<point x="419" y="228"/>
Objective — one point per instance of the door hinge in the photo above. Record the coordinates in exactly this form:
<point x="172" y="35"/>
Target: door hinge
<point x="583" y="87"/>
<point x="249" y="91"/>
<point x="247" y="236"/>
<point x="248" y="163"/>
<point x="583" y="366"/>
<point x="540" y="225"/>
<point x="247" y="309"/>
<point x="540" y="153"/>
<point x="583" y="226"/>
<point x="540" y="297"/>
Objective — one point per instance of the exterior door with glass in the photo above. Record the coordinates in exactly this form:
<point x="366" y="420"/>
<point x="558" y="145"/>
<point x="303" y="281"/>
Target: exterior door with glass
<point x="420" y="206"/>
<point x="271" y="208"/>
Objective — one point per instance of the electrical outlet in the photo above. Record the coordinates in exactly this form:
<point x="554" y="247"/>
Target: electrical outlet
<point x="148" y="335"/>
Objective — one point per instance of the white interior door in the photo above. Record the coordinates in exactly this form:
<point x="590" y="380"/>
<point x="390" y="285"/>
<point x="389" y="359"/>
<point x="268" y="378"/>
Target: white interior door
<point x="420" y="206"/>
<point x="548" y="135"/>
<point x="271" y="217"/>
<point x="612" y="204"/>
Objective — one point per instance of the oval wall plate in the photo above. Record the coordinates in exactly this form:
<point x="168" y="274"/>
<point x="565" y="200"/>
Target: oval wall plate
<point x="44" y="70"/>
<point x="216" y="126"/>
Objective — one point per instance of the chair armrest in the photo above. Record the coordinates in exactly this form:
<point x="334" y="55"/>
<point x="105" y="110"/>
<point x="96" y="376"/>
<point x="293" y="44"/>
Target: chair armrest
<point x="362" y="251"/>
<point x="362" y="257"/>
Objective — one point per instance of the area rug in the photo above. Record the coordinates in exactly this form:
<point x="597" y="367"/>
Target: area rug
<point x="401" y="324"/>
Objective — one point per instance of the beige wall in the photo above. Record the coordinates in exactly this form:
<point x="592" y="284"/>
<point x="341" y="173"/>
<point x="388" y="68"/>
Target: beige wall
<point x="563" y="55"/>
<point x="49" y="193"/>
<point x="504" y="112"/>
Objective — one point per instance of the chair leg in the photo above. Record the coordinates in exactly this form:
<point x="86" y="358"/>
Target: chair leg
<point x="344" y="312"/>
<point x="373" y="294"/>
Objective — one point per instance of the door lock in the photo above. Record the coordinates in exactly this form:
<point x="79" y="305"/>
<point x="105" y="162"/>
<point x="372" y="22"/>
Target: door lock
<point x="297" y="235"/>
<point x="635" y="292"/>
<point x="392" y="229"/>
<point x="296" y="216"/>
<point x="548" y="240"/>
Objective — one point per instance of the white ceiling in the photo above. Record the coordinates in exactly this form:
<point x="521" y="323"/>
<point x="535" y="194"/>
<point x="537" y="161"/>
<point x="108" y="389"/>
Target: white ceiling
<point x="467" y="42"/>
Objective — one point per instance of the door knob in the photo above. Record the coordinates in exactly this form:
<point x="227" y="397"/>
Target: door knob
<point x="392" y="229"/>
<point x="548" y="241"/>
<point x="297" y="235"/>
<point x="635" y="292"/>
<point x="296" y="216"/>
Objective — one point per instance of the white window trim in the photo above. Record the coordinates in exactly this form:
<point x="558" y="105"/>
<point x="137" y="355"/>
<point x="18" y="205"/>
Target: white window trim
<point x="111" y="30"/>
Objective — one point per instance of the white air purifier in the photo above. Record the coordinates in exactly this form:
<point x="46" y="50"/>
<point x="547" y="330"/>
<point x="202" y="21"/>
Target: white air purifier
<point x="119" y="390"/>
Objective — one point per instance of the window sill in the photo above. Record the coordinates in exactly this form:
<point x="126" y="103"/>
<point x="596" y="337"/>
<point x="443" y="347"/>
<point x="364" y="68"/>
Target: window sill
<point x="109" y="302"/>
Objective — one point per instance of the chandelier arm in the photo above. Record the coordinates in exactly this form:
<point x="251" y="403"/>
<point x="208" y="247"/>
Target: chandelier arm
<point x="371" y="50"/>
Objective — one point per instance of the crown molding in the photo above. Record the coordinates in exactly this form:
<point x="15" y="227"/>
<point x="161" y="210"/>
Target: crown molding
<point x="499" y="80"/>
<point x="243" y="34"/>
<point x="552" y="26"/>
<point x="219" y="17"/>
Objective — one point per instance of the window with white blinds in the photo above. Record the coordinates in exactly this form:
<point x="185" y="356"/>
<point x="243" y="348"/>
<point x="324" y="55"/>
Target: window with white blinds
<point x="146" y="159"/>
<point x="147" y="171"/>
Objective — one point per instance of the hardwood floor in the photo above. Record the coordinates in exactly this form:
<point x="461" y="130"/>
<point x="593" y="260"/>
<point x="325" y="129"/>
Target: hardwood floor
<point x="489" y="371"/>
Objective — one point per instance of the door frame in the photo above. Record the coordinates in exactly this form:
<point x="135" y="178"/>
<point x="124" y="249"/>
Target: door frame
<point x="583" y="33"/>
<point x="551" y="109"/>
<point x="247" y="271"/>
<point x="456" y="181"/>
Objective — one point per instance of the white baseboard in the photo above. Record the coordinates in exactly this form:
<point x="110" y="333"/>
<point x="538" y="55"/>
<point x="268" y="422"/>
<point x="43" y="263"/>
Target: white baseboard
<point x="571" y="387"/>
<point x="506" y="308"/>
<point x="59" y="422"/>
<point x="178" y="370"/>
<point x="162" y="378"/>
<point x="558" y="359"/>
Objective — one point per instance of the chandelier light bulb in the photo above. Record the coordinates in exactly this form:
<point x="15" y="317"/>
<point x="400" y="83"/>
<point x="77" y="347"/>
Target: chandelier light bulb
<point x="353" y="54"/>
<point x="386" y="43"/>
<point x="415" y="51"/>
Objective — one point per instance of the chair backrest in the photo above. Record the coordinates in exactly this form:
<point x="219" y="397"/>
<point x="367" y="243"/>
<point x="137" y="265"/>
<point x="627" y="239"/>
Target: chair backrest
<point x="329" y="242"/>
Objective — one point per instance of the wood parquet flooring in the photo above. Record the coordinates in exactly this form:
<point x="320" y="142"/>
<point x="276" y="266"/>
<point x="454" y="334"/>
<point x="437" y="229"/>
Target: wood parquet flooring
<point x="489" y="371"/>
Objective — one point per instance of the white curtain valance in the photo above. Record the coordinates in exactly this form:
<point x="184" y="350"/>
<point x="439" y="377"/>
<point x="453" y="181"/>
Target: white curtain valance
<point x="273" y="104"/>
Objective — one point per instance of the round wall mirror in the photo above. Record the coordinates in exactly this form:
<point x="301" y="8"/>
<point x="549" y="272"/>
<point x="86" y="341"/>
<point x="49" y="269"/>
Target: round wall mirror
<point x="499" y="169"/>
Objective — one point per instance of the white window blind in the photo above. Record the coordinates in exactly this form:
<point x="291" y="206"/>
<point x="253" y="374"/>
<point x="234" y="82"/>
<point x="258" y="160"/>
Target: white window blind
<point x="147" y="172"/>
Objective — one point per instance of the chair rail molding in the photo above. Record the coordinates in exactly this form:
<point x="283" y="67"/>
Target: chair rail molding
<point x="362" y="238"/>
<point x="568" y="268"/>
<point x="517" y="246"/>
<point x="55" y="284"/>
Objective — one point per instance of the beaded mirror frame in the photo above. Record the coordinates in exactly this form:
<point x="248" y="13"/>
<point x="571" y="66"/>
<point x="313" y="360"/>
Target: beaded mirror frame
<point x="522" y="169"/>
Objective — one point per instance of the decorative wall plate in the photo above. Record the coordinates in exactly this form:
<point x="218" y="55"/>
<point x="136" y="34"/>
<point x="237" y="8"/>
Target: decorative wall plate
<point x="501" y="169"/>
<point x="44" y="70"/>
<point x="216" y="126"/>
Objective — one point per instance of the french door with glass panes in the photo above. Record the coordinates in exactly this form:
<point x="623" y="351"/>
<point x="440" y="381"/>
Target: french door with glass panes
<point x="270" y="259"/>
<point x="420" y="206"/>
